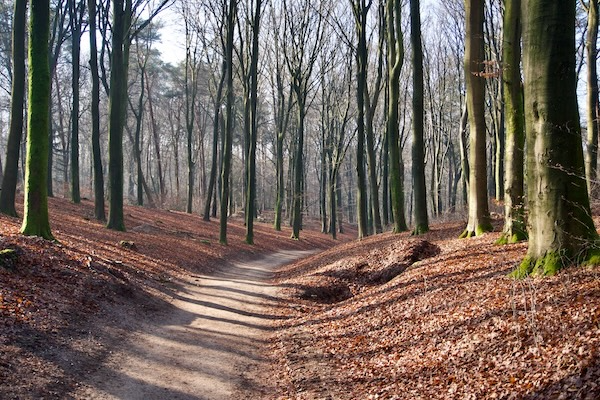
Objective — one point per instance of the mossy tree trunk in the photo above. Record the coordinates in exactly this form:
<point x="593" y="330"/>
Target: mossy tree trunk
<point x="561" y="229"/>
<point x="418" y="146"/>
<point x="395" y="48"/>
<point x="35" y="220"/>
<point x="479" y="218"/>
<point x="15" y="133"/>
<point x="514" y="213"/>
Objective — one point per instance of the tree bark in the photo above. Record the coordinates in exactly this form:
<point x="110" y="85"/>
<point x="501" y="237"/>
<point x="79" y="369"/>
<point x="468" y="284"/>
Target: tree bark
<point x="99" y="212"/>
<point x="360" y="15"/>
<point x="228" y="136"/>
<point x="593" y="106"/>
<point x="15" y="133"/>
<point x="35" y="219"/>
<point x="561" y="229"/>
<point x="215" y="146"/>
<point x="251" y="160"/>
<point x="479" y="220"/>
<point x="116" y="114"/>
<point x="514" y="213"/>
<point x="76" y="10"/>
<point x="395" y="60"/>
<point x="418" y="146"/>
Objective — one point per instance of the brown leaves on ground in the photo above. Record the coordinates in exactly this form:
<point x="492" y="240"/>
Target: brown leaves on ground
<point x="451" y="325"/>
<point x="63" y="304"/>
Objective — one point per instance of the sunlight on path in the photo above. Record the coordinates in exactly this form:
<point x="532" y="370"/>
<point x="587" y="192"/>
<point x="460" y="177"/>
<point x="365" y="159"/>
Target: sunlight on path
<point x="207" y="347"/>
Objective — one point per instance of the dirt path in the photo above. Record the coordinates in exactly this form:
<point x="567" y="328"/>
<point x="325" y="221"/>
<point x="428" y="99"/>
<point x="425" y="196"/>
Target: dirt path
<point x="208" y="347"/>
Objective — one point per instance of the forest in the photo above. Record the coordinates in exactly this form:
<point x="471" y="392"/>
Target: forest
<point x="348" y="178"/>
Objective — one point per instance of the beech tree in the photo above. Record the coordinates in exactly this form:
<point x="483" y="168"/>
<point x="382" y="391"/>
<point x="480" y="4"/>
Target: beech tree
<point x="561" y="229"/>
<point x="592" y="101"/>
<point x="35" y="219"/>
<point x="99" y="212"/>
<point x="395" y="57"/>
<point x="76" y="12"/>
<point x="418" y="150"/>
<point x="229" y="115"/>
<point x="479" y="219"/>
<point x="514" y="119"/>
<point x="15" y="132"/>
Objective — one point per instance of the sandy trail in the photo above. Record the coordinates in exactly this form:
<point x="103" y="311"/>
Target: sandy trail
<point x="208" y="347"/>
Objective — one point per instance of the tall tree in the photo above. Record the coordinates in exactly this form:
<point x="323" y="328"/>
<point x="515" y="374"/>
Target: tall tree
<point x="282" y="104"/>
<point x="118" y="85"/>
<point x="191" y="93"/>
<point x="99" y="212"/>
<point x="561" y="229"/>
<point x="228" y="134"/>
<point x="76" y="10"/>
<point x="395" y="48"/>
<point x="251" y="159"/>
<point x="593" y="103"/>
<point x="9" y="181"/>
<point x="35" y="220"/>
<point x="514" y="120"/>
<point x="418" y="146"/>
<point x="126" y="26"/>
<point x="479" y="219"/>
<point x="361" y="10"/>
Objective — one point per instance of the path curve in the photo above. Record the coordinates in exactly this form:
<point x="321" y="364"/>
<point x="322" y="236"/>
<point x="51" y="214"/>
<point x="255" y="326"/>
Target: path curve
<point x="208" y="347"/>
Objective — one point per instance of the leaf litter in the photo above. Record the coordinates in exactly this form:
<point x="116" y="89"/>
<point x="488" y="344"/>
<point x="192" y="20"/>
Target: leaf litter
<point x="449" y="324"/>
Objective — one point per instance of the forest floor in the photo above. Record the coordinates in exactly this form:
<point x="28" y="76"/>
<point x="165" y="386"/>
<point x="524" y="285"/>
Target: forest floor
<point x="170" y="313"/>
<point x="68" y="309"/>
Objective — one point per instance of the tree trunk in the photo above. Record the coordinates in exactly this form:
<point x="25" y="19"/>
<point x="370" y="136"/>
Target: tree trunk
<point x="593" y="107"/>
<point x="156" y="137"/>
<point x="116" y="115"/>
<point x="76" y="11"/>
<point x="298" y="167"/>
<point x="360" y="15"/>
<point x="35" y="220"/>
<point x="418" y="146"/>
<point x="99" y="212"/>
<point x="479" y="219"/>
<point x="15" y="133"/>
<point x="395" y="60"/>
<point x="514" y="213"/>
<point x="212" y="180"/>
<point x="464" y="159"/>
<point x="251" y="161"/>
<point x="228" y="136"/>
<point x="561" y="229"/>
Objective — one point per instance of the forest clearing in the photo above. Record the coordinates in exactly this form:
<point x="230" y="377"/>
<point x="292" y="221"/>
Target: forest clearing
<point x="391" y="316"/>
